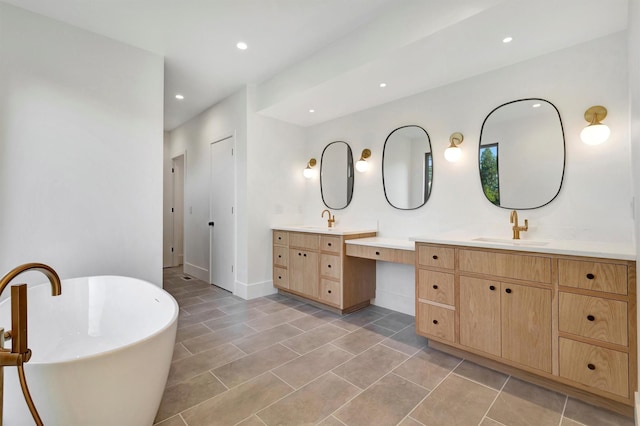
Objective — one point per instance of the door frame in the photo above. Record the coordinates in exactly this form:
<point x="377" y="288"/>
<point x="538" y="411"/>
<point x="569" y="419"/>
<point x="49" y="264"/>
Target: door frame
<point x="235" y="206"/>
<point x="175" y="256"/>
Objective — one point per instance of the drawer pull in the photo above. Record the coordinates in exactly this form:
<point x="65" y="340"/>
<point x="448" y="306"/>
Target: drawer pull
<point x="299" y="254"/>
<point x="329" y="244"/>
<point x="329" y="291"/>
<point x="591" y="366"/>
<point x="328" y="266"/>
<point x="435" y="287"/>
<point x="590" y="276"/>
<point x="508" y="290"/>
<point x="591" y="318"/>
<point x="435" y="322"/>
<point x="279" y="277"/>
<point x="279" y="256"/>
<point x="305" y="255"/>
<point x="279" y="238"/>
<point x="435" y="257"/>
<point x="492" y="287"/>
<point x="377" y="253"/>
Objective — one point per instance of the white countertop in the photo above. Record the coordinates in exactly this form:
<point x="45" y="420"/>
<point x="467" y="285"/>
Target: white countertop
<point x="384" y="242"/>
<point x="325" y="230"/>
<point x="574" y="248"/>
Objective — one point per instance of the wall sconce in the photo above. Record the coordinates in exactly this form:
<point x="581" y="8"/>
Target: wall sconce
<point x="595" y="133"/>
<point x="361" y="164"/>
<point x="454" y="152"/>
<point x="308" y="172"/>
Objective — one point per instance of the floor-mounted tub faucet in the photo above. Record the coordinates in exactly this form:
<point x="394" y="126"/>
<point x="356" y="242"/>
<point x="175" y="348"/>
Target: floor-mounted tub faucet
<point x="20" y="352"/>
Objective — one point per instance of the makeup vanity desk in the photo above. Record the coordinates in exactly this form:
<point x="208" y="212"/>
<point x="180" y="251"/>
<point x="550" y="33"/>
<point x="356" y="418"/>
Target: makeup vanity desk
<point x="394" y="250"/>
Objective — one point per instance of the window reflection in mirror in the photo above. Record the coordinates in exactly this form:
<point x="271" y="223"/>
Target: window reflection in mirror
<point x="407" y="168"/>
<point x="336" y="175"/>
<point x="522" y="154"/>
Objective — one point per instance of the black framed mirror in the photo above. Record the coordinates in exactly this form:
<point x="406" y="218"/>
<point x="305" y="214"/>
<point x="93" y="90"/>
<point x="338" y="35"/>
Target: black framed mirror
<point x="407" y="167"/>
<point x="336" y="175"/>
<point x="522" y="154"/>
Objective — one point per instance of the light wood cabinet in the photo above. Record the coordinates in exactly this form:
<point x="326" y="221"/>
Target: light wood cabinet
<point x="315" y="266"/>
<point x="566" y="322"/>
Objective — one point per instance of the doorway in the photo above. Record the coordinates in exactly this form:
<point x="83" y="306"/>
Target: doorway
<point x="222" y="225"/>
<point x="177" y="210"/>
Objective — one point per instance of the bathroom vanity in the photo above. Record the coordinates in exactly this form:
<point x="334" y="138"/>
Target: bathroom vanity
<point x="560" y="316"/>
<point x="311" y="262"/>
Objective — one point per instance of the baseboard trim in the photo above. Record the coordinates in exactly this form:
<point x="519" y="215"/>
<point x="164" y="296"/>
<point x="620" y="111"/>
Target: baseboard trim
<point x="395" y="302"/>
<point x="254" y="290"/>
<point x="196" y="271"/>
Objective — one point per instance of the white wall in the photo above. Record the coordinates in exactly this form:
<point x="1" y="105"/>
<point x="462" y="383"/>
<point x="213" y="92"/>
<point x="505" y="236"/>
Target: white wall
<point x="634" y="113"/>
<point x="269" y="186"/>
<point x="594" y="203"/>
<point x="167" y="201"/>
<point x="80" y="150"/>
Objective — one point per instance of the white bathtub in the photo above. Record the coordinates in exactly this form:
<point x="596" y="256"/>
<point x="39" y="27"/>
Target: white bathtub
<point x="101" y="353"/>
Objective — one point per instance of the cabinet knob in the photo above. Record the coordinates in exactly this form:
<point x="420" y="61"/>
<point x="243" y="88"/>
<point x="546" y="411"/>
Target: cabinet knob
<point x="377" y="253"/>
<point x="329" y="291"/>
<point x="492" y="287"/>
<point x="299" y="254"/>
<point x="591" y="366"/>
<point x="305" y="255"/>
<point x="435" y="257"/>
<point x="329" y="244"/>
<point x="591" y="318"/>
<point x="279" y="277"/>
<point x="590" y="276"/>
<point x="279" y="238"/>
<point x="435" y="322"/>
<point x="435" y="287"/>
<point x="508" y="290"/>
<point x="279" y="256"/>
<point x="328" y="266"/>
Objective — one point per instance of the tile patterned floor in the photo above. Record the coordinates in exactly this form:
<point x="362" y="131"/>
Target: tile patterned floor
<point x="278" y="361"/>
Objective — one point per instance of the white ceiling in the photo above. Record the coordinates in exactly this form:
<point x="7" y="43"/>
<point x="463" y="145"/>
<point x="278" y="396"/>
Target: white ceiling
<point x="331" y="55"/>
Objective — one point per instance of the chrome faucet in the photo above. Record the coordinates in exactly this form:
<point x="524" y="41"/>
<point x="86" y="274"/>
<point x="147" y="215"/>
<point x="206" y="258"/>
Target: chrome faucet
<point x="20" y="353"/>
<point x="331" y="220"/>
<point x="516" y="229"/>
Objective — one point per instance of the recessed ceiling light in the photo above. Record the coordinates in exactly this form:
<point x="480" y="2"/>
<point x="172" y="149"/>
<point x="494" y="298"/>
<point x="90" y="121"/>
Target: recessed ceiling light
<point x="507" y="39"/>
<point x="179" y="97"/>
<point x="242" y="45"/>
<point x="383" y="84"/>
<point x="312" y="110"/>
<point x="536" y="105"/>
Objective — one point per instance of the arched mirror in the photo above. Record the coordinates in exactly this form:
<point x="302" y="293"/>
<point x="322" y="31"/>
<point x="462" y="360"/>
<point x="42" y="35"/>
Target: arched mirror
<point x="522" y="154"/>
<point x="336" y="175"/>
<point x="407" y="168"/>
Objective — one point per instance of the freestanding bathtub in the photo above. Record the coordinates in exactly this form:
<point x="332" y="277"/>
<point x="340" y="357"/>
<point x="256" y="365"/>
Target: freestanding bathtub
<point x="101" y="353"/>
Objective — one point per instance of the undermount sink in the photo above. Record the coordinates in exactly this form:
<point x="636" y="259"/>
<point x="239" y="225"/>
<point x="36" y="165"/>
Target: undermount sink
<point x="511" y="242"/>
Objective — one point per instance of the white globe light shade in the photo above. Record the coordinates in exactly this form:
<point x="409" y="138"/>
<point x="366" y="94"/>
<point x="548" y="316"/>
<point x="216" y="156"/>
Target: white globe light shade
<point x="595" y="134"/>
<point x="362" y="166"/>
<point x="452" y="154"/>
<point x="308" y="172"/>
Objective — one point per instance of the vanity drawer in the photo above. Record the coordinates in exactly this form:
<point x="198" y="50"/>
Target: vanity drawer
<point x="436" y="321"/>
<point x="379" y="253"/>
<point x="599" y="276"/>
<point x="331" y="244"/>
<point x="304" y="240"/>
<point x="591" y="365"/>
<point x="520" y="267"/>
<point x="280" y="256"/>
<point x="594" y="317"/>
<point x="330" y="292"/>
<point x="436" y="286"/>
<point x="280" y="277"/>
<point x="330" y="266"/>
<point x="281" y="238"/>
<point x="439" y="257"/>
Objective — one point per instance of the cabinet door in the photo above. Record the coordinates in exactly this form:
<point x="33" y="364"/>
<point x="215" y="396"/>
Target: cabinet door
<point x="480" y="315"/>
<point x="526" y="325"/>
<point x="303" y="272"/>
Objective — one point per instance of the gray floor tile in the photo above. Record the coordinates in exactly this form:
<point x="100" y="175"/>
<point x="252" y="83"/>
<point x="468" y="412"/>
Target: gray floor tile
<point x="266" y="338"/>
<point x="306" y="368"/>
<point x="594" y="416"/>
<point x="482" y="375"/>
<point x="315" y="338"/>
<point x="371" y="365"/>
<point x="427" y="367"/>
<point x="362" y="339"/>
<point x="187" y="394"/>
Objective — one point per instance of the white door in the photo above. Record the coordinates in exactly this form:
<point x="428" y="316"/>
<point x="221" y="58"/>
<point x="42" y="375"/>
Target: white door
<point x="178" y="211"/>
<point x="222" y="225"/>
